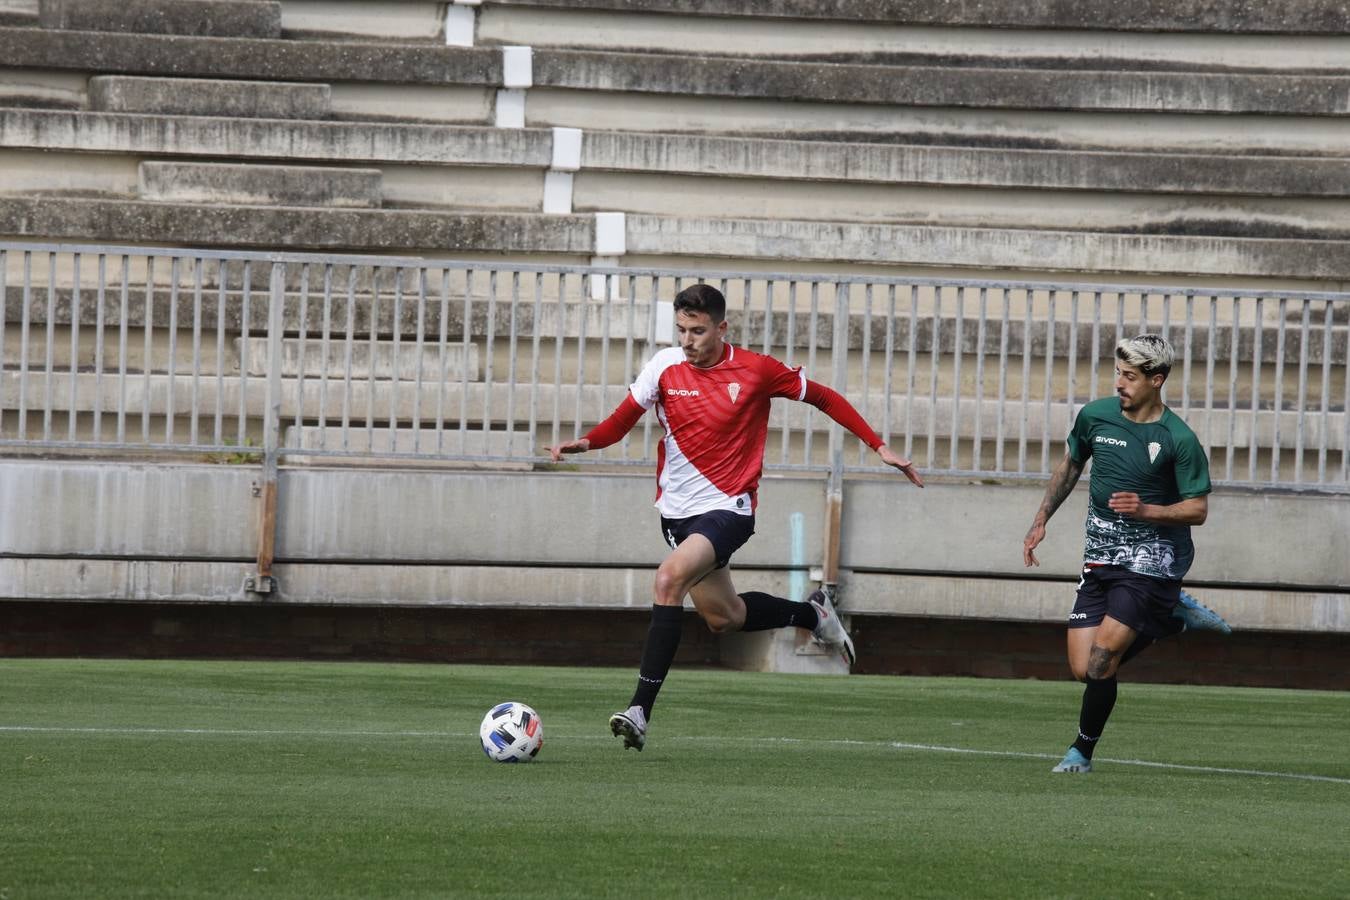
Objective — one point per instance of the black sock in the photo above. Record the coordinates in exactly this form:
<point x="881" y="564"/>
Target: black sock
<point x="1141" y="643"/>
<point x="663" y="639"/>
<point x="764" y="611"/>
<point x="1099" y="696"/>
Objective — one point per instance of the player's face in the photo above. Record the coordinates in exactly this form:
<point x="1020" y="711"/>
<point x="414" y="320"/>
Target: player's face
<point x="1135" y="389"/>
<point x="700" y="339"/>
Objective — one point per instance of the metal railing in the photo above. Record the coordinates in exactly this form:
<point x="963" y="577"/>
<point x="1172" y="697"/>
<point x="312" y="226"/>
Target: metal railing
<point x="230" y="355"/>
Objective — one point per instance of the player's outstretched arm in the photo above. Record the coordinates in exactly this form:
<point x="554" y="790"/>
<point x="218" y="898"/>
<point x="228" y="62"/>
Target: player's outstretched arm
<point x="608" y="432"/>
<point x="1062" y="482"/>
<point x="890" y="458"/>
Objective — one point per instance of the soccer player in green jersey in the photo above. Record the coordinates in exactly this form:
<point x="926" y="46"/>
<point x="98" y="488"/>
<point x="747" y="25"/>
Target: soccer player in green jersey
<point x="1149" y="485"/>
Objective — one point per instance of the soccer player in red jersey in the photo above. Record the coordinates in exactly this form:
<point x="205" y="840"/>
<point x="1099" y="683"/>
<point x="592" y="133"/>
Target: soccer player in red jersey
<point x="712" y="398"/>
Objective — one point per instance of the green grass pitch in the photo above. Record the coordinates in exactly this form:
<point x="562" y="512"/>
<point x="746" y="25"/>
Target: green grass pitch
<point x="178" y="779"/>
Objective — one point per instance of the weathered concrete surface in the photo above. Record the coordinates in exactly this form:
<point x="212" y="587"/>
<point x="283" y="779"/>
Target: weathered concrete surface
<point x="251" y="184"/>
<point x="386" y="20"/>
<point x="270" y="60"/>
<point x="353" y="142"/>
<point x="86" y="531"/>
<point x="209" y="97"/>
<point x="944" y="86"/>
<point x="1281" y="17"/>
<point x="217" y="18"/>
<point x="234" y="226"/>
<point x="366" y="361"/>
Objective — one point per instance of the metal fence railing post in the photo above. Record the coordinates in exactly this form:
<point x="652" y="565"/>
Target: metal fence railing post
<point x="263" y="581"/>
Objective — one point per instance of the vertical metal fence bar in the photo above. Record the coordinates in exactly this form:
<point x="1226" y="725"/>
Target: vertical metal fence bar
<point x="536" y="334"/>
<point x="147" y="364"/>
<point x="583" y="309"/>
<point x="1026" y="381"/>
<point x="812" y="342"/>
<point x="630" y="292"/>
<point x="72" y="396"/>
<point x="301" y="354"/>
<point x="606" y="307"/>
<point x="122" y="326"/>
<point x="244" y="300"/>
<point x="1072" y="396"/>
<point x="911" y="387"/>
<point x="1000" y="421"/>
<point x="1120" y="329"/>
<point x="50" y="356"/>
<point x="1186" y="356"/>
<point x="395" y="363"/>
<point x="1278" y="385"/>
<point x="957" y="336"/>
<point x="418" y="346"/>
<point x="1096" y="345"/>
<point x="1345" y="421"/>
<point x="981" y="334"/>
<point x="25" y="317"/>
<point x="1300" y="435"/>
<point x="1049" y="383"/>
<point x="1234" y="336"/>
<point x="194" y="425"/>
<point x="489" y="362"/>
<point x="348" y="345"/>
<point x="1324" y="432"/>
<point x="326" y="353"/>
<point x="866" y="361"/>
<point x="935" y="361"/>
<point x="560" y="331"/>
<point x="100" y="326"/>
<point x="171" y="374"/>
<point x="514" y="344"/>
<point x="839" y="377"/>
<point x="372" y="355"/>
<point x="1257" y="354"/>
<point x="647" y="421"/>
<point x="1211" y="350"/>
<point x="222" y="271"/>
<point x="766" y="346"/>
<point x="888" y="369"/>
<point x="442" y="342"/>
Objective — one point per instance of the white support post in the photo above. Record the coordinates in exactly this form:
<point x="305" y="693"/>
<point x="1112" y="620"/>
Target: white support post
<point x="461" y="20"/>
<point x="558" y="193"/>
<point x="558" y="179"/>
<point x="510" y="109"/>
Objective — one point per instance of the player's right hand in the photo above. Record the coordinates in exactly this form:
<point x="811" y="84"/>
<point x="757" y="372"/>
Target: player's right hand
<point x="580" y="445"/>
<point x="1033" y="539"/>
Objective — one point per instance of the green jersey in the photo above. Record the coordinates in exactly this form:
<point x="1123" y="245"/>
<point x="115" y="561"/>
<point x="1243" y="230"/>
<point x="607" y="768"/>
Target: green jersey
<point x="1160" y="461"/>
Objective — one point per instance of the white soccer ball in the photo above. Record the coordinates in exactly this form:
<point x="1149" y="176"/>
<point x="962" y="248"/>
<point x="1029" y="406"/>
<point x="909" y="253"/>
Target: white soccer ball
<point x="511" y="732"/>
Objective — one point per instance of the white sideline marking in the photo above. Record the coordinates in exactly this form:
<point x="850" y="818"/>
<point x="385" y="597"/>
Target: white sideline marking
<point x="897" y="745"/>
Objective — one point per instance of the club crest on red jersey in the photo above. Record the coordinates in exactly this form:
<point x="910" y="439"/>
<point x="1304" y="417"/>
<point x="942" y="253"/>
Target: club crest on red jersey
<point x="734" y="389"/>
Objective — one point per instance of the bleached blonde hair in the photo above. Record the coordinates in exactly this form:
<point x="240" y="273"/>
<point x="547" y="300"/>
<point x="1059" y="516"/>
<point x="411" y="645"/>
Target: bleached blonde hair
<point x="1149" y="353"/>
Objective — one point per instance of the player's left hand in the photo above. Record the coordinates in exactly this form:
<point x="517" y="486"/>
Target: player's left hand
<point x="899" y="462"/>
<point x="1127" y="504"/>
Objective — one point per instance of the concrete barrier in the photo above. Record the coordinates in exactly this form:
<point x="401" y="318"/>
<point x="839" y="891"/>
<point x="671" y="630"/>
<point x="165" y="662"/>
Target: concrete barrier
<point x="250" y="184"/>
<point x="208" y="97"/>
<point x="218" y="18"/>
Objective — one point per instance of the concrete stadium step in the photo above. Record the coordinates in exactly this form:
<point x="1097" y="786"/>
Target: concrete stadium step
<point x="1323" y="254"/>
<point x="1273" y="17"/>
<point x="378" y="441"/>
<point x="207" y="97"/>
<point x="18" y="12"/>
<point x="1036" y="43"/>
<point x="259" y="185"/>
<point x="218" y="18"/>
<point x="688" y="75"/>
<point x="426" y="364"/>
<point x="1233" y="172"/>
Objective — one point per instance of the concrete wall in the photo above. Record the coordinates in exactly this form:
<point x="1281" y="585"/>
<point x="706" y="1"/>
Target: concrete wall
<point x="187" y="533"/>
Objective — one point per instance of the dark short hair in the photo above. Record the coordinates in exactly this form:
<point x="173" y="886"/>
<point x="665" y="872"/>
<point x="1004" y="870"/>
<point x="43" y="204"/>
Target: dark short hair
<point x="702" y="298"/>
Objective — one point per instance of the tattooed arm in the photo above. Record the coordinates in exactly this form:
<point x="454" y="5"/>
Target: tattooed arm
<point x="1062" y="482"/>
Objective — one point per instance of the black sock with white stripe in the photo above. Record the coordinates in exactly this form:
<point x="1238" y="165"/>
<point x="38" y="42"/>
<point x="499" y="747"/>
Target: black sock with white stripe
<point x="663" y="639"/>
<point x="1099" y="698"/>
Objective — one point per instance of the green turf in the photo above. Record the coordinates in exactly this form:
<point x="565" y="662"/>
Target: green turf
<point x="336" y="780"/>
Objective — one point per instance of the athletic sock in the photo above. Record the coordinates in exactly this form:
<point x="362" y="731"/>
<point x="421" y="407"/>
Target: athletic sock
<point x="764" y="611"/>
<point x="1141" y="643"/>
<point x="663" y="639"/>
<point x="1099" y="696"/>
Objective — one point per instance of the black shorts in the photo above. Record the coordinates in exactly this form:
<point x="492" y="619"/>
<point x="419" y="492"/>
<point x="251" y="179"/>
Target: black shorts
<point x="1142" y="602"/>
<point x="726" y="530"/>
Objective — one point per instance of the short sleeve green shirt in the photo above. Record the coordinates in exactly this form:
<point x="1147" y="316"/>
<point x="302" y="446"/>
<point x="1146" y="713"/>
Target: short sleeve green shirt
<point x="1163" y="462"/>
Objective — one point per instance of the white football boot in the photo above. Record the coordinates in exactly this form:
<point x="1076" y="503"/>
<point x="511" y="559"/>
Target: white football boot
<point x="631" y="725"/>
<point x="829" y="631"/>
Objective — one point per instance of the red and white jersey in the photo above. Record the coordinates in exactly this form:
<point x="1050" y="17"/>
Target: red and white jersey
<point x="716" y="422"/>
